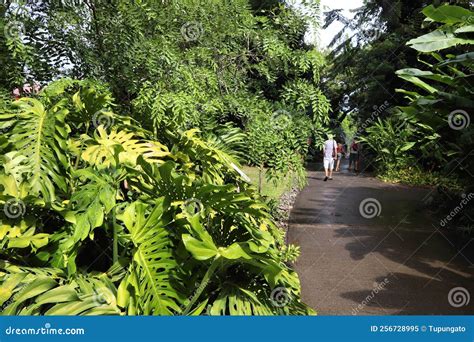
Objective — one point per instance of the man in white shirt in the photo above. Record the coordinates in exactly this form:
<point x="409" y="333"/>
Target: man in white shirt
<point x="330" y="154"/>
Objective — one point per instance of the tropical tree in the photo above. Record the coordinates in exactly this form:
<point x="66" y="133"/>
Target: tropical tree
<point x="360" y="76"/>
<point x="176" y="66"/>
<point x="440" y="101"/>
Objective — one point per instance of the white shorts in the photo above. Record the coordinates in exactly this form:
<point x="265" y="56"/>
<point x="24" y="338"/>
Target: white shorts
<point x="329" y="163"/>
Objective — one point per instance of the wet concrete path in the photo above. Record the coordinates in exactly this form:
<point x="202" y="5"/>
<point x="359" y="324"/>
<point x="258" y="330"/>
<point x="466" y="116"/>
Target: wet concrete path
<point x="399" y="262"/>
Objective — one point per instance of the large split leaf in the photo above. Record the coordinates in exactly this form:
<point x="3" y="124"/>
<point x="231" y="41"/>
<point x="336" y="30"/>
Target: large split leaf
<point x="90" y="203"/>
<point x="151" y="271"/>
<point x="110" y="150"/>
<point x="39" y="140"/>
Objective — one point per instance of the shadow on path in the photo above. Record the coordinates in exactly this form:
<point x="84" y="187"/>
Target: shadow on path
<point x="388" y="257"/>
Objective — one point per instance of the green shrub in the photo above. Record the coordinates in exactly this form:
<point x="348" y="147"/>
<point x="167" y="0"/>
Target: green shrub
<point x="414" y="175"/>
<point x="101" y="217"/>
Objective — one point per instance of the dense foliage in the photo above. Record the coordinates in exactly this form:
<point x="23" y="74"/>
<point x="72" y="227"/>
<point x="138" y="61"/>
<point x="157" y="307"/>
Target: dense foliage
<point x="360" y="78"/>
<point x="433" y="132"/>
<point x="123" y="192"/>
<point x="120" y="177"/>
<point x="375" y="57"/>
<point x="104" y="219"/>
<point x="186" y="64"/>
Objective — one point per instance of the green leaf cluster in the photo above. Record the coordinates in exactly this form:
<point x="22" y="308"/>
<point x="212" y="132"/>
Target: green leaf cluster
<point x="101" y="218"/>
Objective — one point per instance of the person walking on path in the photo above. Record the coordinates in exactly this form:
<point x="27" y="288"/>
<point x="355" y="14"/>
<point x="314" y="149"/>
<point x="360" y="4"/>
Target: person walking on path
<point x="340" y="153"/>
<point x="330" y="154"/>
<point x="354" y="155"/>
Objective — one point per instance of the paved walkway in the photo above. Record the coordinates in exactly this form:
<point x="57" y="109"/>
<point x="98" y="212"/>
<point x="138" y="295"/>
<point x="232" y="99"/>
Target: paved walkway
<point x="400" y="262"/>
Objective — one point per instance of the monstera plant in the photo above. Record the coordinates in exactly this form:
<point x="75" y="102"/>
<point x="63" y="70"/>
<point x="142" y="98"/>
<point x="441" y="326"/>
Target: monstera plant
<point x="100" y="216"/>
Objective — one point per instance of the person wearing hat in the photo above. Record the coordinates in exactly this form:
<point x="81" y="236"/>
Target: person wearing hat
<point x="330" y="154"/>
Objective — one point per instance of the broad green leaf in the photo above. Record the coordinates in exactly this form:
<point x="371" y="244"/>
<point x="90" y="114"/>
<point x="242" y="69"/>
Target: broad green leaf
<point x="36" y="241"/>
<point x="437" y="40"/>
<point x="38" y="141"/>
<point x="36" y="287"/>
<point x="73" y="308"/>
<point x="408" y="146"/>
<point x="33" y="289"/>
<point x="6" y="289"/>
<point x="121" y="148"/>
<point x="65" y="293"/>
<point x="447" y="14"/>
<point x="153" y="262"/>
<point x="465" y="29"/>
<point x="199" y="308"/>
<point x="416" y="81"/>
<point x="10" y="186"/>
<point x="199" y="249"/>
<point x="123" y="294"/>
<point x="425" y="74"/>
<point x="466" y="57"/>
<point x="234" y="251"/>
